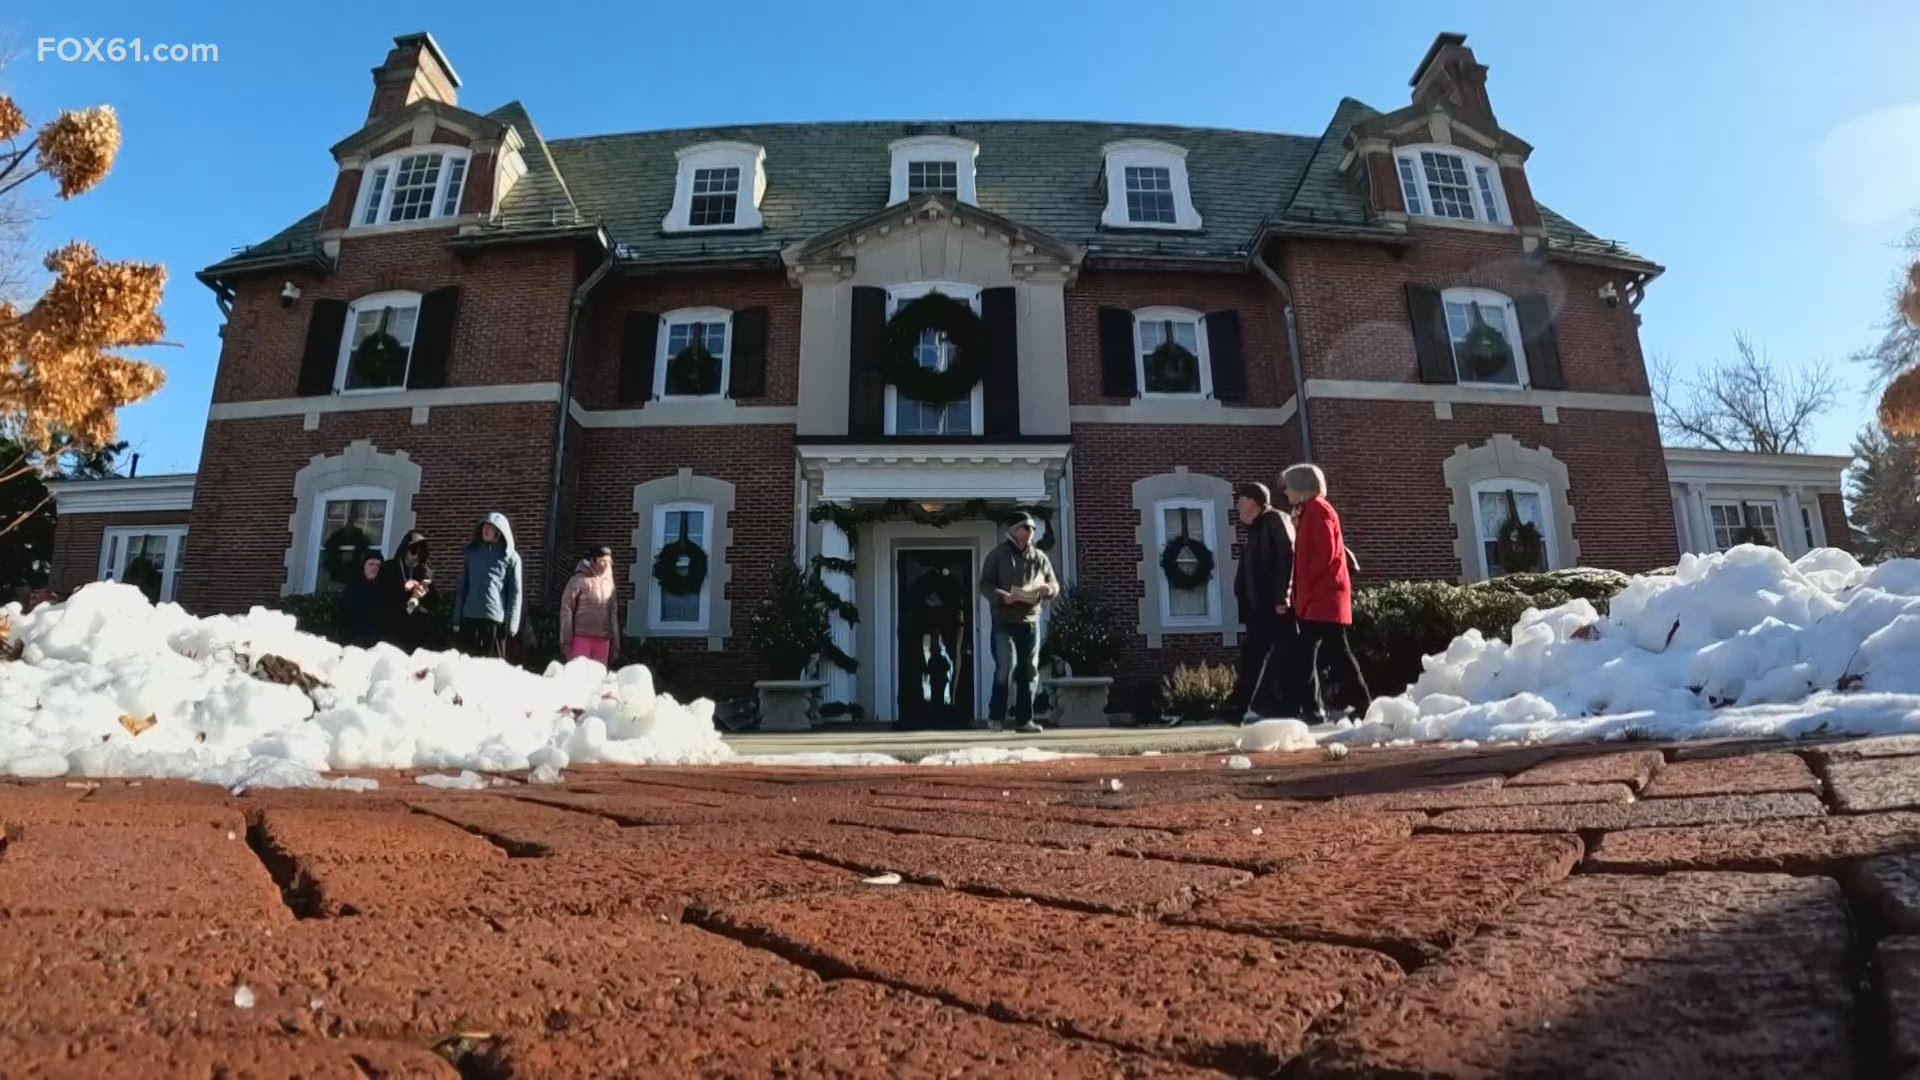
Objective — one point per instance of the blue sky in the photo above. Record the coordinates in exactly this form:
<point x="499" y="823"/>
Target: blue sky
<point x="1767" y="158"/>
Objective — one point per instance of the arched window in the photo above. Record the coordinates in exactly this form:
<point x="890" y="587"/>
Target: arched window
<point x="1451" y="184"/>
<point x="1484" y="331"/>
<point x="416" y="184"/>
<point x="377" y="346"/>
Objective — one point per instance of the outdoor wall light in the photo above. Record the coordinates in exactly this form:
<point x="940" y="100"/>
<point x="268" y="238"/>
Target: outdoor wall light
<point x="1610" y="294"/>
<point x="289" y="294"/>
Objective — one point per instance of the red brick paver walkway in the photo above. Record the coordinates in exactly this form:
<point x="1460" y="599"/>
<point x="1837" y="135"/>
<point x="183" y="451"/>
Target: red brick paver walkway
<point x="1575" y="912"/>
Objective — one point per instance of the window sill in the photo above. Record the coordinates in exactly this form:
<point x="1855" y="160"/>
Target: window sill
<point x="1152" y="396"/>
<point x="353" y="232"/>
<point x="366" y="391"/>
<point x="730" y="230"/>
<point x="1509" y="388"/>
<point x="1193" y="228"/>
<point x="1465" y="226"/>
<point x="678" y="630"/>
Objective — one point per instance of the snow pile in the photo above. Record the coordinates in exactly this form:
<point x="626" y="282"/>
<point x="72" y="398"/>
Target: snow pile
<point x="996" y="755"/>
<point x="109" y="685"/>
<point x="1269" y="736"/>
<point x="1744" y="643"/>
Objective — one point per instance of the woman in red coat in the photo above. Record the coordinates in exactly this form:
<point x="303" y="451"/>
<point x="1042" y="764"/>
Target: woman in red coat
<point x="1322" y="597"/>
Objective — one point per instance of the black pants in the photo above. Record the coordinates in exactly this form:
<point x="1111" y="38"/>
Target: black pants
<point x="484" y="637"/>
<point x="1265" y="650"/>
<point x="1325" y="642"/>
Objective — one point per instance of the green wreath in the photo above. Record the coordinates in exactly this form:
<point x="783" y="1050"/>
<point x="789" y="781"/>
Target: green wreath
<point x="693" y="371"/>
<point x="1487" y="351"/>
<point x="1172" y="369"/>
<point x="1519" y="547"/>
<point x="379" y="360"/>
<point x="953" y="318"/>
<point x="345" y="553"/>
<point x="1180" y="577"/>
<point x="680" y="568"/>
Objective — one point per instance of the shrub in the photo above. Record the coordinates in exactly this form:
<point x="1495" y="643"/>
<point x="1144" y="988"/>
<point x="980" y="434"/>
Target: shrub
<point x="314" y="613"/>
<point x="790" y="628"/>
<point x="1592" y="584"/>
<point x="1085" y="631"/>
<point x="1395" y="625"/>
<point x="1198" y="692"/>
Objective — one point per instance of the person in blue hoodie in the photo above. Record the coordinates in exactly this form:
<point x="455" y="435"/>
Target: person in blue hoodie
<point x="487" y="602"/>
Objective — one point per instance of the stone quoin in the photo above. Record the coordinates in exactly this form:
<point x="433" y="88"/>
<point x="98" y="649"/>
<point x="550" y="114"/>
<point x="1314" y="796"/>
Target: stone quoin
<point x="632" y="339"/>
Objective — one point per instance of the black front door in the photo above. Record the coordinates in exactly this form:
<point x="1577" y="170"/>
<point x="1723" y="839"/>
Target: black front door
<point x="934" y="588"/>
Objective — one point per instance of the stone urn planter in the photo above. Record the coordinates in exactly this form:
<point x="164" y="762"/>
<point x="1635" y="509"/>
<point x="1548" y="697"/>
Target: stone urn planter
<point x="789" y="704"/>
<point x="1079" y="701"/>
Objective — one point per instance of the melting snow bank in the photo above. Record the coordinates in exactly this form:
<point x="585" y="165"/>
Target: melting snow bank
<point x="108" y="685"/>
<point x="1741" y="644"/>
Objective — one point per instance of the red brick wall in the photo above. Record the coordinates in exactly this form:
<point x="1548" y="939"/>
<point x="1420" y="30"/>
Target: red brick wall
<point x="1384" y="463"/>
<point x="511" y="326"/>
<point x="1353" y="320"/>
<point x="473" y="460"/>
<point x="77" y="537"/>
<point x="597" y="378"/>
<point x="1263" y="333"/>
<point x="1107" y="459"/>
<point x="1833" y="518"/>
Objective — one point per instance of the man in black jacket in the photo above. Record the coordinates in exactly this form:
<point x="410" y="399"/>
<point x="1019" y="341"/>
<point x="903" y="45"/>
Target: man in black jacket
<point x="1260" y="587"/>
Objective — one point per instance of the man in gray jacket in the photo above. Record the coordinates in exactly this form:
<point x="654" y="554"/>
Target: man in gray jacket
<point x="1016" y="578"/>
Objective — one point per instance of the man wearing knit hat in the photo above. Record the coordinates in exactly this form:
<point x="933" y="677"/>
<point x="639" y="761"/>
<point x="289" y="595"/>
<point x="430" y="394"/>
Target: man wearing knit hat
<point x="1260" y="587"/>
<point x="1016" y="578"/>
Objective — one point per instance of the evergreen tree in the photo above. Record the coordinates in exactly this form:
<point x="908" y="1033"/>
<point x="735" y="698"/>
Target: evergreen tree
<point x="1885" y="486"/>
<point x="26" y="550"/>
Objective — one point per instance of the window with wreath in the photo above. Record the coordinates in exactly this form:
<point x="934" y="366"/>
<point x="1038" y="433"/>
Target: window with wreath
<point x="148" y="559"/>
<point x="1170" y="347"/>
<point x="416" y="184"/>
<point x="679" y="590"/>
<point x="693" y="361"/>
<point x="378" y="343"/>
<point x="1736" y="523"/>
<point x="349" y="525"/>
<point x="1189" y="582"/>
<point x="934" y="351"/>
<point x="1514" y="526"/>
<point x="1449" y="183"/>
<point x="1485" y="334"/>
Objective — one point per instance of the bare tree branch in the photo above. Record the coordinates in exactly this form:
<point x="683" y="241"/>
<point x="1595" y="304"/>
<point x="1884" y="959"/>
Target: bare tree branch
<point x="1748" y="402"/>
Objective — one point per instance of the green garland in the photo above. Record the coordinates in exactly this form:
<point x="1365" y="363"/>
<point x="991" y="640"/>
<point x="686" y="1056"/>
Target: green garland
<point x="1172" y="369"/>
<point x="1180" y="578"/>
<point x="693" y="372"/>
<point x="675" y="580"/>
<point x="900" y="365"/>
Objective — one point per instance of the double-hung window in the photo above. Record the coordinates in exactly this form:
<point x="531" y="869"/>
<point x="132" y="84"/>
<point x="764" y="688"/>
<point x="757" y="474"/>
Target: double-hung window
<point x="693" y="361"/>
<point x="417" y="184"/>
<point x="349" y="524"/>
<point x="717" y="185"/>
<point x="1494" y="502"/>
<point x="1484" y="331"/>
<point x="1451" y="184"/>
<point x="716" y="196"/>
<point x="1170" y="353"/>
<point x="1147" y="186"/>
<point x="1189" y="519"/>
<point x="677" y="523"/>
<point x="905" y="415"/>
<point x="1732" y="520"/>
<point x="377" y="347"/>
<point x="147" y="558"/>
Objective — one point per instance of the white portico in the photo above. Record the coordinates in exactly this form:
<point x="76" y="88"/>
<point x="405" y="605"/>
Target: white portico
<point x="1719" y="494"/>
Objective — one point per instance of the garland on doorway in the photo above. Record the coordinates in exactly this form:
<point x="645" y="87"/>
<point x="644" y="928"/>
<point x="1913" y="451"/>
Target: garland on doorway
<point x="851" y="519"/>
<point x="900" y="360"/>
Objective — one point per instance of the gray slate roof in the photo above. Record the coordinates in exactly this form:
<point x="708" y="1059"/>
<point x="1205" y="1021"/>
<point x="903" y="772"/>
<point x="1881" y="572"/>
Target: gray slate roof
<point x="1041" y="173"/>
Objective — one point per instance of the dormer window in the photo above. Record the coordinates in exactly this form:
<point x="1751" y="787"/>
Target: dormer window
<point x="719" y="186"/>
<point x="1451" y="184"/>
<point x="932" y="165"/>
<point x="416" y="184"/>
<point x="1147" y="188"/>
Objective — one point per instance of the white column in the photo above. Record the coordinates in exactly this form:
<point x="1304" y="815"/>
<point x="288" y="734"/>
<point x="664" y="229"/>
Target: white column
<point x="1793" y="533"/>
<point x="1702" y="521"/>
<point x="834" y="545"/>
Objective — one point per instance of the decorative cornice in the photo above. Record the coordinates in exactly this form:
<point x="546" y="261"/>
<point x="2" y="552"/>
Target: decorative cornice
<point x="144" y="494"/>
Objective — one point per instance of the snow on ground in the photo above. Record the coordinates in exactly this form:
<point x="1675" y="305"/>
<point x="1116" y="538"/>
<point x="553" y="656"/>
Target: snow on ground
<point x="1744" y="643"/>
<point x="110" y="685"/>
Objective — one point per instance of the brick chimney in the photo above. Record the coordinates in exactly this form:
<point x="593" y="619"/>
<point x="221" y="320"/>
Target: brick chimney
<point x="1451" y="76"/>
<point x="415" y="69"/>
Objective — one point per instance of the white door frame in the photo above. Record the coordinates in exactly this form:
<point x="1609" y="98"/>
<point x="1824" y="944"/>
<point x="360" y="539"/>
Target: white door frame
<point x="882" y="583"/>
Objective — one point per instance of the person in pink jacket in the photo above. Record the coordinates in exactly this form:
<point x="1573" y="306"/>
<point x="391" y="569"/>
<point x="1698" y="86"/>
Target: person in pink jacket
<point x="590" y="609"/>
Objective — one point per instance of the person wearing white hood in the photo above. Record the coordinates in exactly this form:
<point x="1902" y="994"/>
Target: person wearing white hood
<point x="1016" y="578"/>
<point x="487" y="602"/>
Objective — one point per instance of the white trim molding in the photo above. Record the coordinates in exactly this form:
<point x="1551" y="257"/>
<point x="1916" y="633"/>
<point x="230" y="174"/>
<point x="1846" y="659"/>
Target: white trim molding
<point x="1147" y="154"/>
<point x="750" y="160"/>
<point x="1791" y="484"/>
<point x="172" y="492"/>
<point x="684" y="412"/>
<point x="1385" y="390"/>
<point x="934" y="473"/>
<point x="1471" y="468"/>
<point x="684" y="490"/>
<point x="1150" y="495"/>
<point x="1177" y="411"/>
<point x="503" y="394"/>
<point x="360" y="465"/>
<point x="961" y="153"/>
<point x="113" y="554"/>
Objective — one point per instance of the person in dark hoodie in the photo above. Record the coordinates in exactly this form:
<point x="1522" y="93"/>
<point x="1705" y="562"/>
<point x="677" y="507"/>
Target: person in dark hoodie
<point x="360" y="605"/>
<point x="406" y="582"/>
<point x="1260" y="586"/>
<point x="487" y="602"/>
<point x="1016" y="578"/>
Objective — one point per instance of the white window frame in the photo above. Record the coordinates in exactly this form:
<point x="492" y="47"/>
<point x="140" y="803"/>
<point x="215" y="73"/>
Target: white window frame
<point x="1163" y="314"/>
<point x="382" y="544"/>
<point x="1485" y="194"/>
<point x="751" y="160"/>
<point x="1147" y="153"/>
<point x="391" y="298"/>
<point x="377" y="185"/>
<point x="962" y="152"/>
<point x="660" y="355"/>
<point x="660" y="540"/>
<point x="114" y="551"/>
<point x="1488" y="298"/>
<point x="1209" y="529"/>
<point x="1739" y="506"/>
<point x="900" y="294"/>
<point x="1551" y="553"/>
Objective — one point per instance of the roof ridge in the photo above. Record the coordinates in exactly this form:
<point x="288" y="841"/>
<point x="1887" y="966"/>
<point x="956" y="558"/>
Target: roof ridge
<point x="929" y="123"/>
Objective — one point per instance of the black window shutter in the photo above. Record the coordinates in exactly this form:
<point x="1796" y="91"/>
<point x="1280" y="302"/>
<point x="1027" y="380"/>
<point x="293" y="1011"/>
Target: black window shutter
<point x="748" y="378"/>
<point x="636" y="355"/>
<point x="1543" y="349"/>
<point x="1000" y="392"/>
<point x="1118" y="375"/>
<point x="433" y="339"/>
<point x="322" y="358"/>
<point x="1225" y="355"/>
<point x="1431" y="342"/>
<point x="867" y="387"/>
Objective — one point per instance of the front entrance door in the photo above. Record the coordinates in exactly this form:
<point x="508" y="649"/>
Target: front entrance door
<point x="934" y="587"/>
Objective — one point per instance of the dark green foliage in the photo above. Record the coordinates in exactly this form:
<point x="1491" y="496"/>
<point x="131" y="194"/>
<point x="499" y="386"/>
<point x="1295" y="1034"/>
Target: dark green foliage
<point x="1085" y="631"/>
<point x="790" y="629"/>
